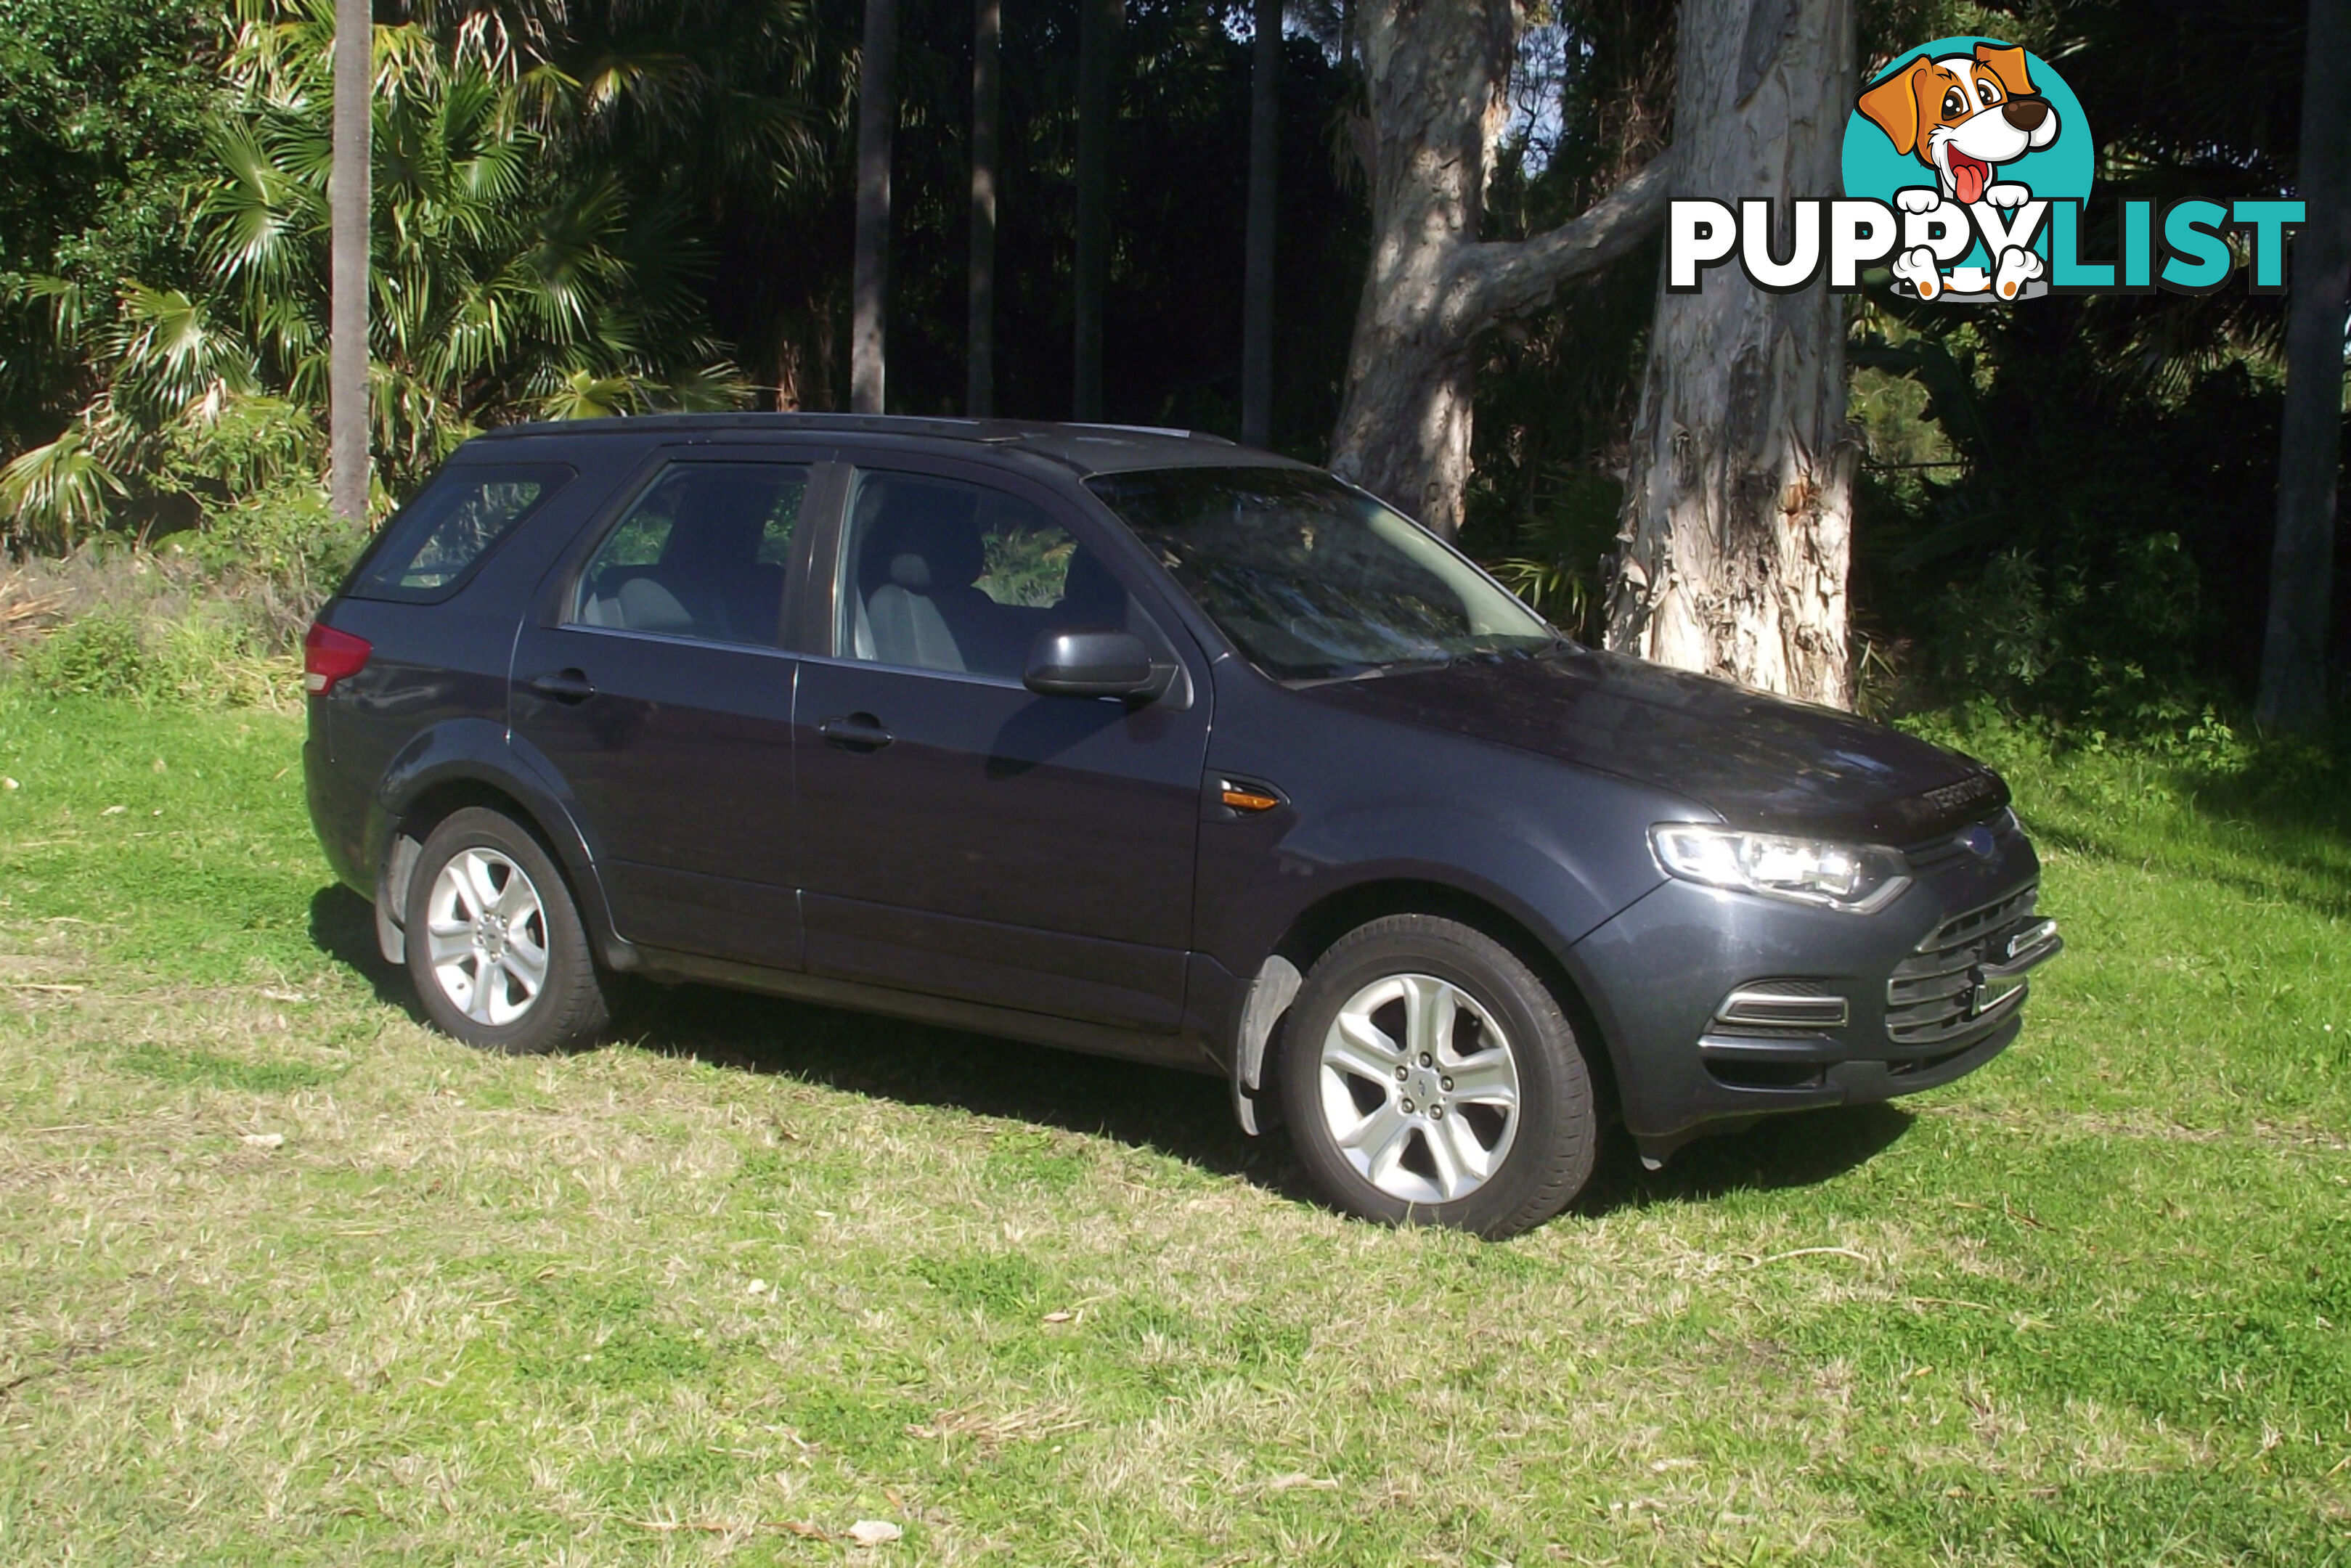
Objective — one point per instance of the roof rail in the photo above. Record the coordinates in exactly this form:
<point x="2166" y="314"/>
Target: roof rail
<point x="946" y="426"/>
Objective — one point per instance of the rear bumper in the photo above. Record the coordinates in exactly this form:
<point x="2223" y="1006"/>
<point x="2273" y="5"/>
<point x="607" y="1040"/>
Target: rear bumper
<point x="1720" y="1008"/>
<point x="338" y="807"/>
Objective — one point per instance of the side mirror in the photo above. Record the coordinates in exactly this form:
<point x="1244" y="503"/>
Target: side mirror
<point x="1091" y="664"/>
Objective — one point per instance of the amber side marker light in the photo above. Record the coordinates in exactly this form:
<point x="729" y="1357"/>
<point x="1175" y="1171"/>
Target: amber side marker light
<point x="1241" y="797"/>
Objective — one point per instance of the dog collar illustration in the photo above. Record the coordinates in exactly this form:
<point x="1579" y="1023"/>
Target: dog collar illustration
<point x="1965" y="165"/>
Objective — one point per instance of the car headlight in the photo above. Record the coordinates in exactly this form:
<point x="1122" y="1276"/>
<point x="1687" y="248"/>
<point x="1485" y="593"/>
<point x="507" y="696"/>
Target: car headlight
<point x="1856" y="878"/>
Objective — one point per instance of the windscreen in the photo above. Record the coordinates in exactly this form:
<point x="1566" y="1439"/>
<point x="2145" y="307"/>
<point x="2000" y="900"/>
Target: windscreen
<point x="1313" y="580"/>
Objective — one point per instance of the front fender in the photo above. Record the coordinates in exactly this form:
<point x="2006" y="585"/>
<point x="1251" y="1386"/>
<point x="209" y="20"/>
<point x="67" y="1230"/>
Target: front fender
<point x="1559" y="881"/>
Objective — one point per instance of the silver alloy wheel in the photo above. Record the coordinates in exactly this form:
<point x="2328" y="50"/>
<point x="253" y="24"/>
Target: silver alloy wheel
<point x="1420" y="1088"/>
<point x="487" y="931"/>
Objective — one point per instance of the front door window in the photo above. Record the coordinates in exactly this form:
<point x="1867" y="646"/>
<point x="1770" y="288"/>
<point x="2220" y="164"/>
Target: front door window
<point x="942" y="575"/>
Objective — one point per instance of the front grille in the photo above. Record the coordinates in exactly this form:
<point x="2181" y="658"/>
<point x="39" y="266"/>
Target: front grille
<point x="1943" y="848"/>
<point x="1931" y="998"/>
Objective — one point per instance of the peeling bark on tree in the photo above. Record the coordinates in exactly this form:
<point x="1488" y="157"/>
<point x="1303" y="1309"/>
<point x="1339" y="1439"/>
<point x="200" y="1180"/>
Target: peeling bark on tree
<point x="1737" y="534"/>
<point x="1437" y="73"/>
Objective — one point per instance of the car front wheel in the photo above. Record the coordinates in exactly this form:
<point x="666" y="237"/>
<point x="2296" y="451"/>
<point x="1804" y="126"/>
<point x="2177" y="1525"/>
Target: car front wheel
<point x="1430" y="1077"/>
<point x="494" y="943"/>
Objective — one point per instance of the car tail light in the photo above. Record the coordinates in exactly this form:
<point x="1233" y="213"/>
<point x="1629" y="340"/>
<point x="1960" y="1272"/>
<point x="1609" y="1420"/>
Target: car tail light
<point x="329" y="656"/>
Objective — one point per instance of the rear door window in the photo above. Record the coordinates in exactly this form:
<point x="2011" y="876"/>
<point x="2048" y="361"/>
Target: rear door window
<point x="438" y="541"/>
<point x="702" y="553"/>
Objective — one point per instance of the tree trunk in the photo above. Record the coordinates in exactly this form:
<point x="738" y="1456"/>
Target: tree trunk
<point x="2309" y="456"/>
<point x="877" y="120"/>
<point x="1098" y="24"/>
<point x="1257" y="271"/>
<point x="1739" y="507"/>
<point x="347" y="327"/>
<point x="1436" y="77"/>
<point x="979" y="365"/>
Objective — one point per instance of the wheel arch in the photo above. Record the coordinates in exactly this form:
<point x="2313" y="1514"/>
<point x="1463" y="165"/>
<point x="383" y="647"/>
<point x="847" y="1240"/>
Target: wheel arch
<point x="1315" y="928"/>
<point x="419" y="798"/>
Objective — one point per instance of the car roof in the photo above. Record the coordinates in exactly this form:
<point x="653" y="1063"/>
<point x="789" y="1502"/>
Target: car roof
<point x="1083" y="448"/>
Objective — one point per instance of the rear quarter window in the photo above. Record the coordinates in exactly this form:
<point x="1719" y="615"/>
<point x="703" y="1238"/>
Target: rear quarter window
<point x="434" y="543"/>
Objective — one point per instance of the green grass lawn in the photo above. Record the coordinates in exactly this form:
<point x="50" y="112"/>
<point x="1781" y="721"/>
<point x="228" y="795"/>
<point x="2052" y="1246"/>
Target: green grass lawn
<point x="284" y="1277"/>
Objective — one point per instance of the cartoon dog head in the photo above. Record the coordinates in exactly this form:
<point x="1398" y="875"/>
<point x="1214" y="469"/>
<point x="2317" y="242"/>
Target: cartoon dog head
<point x="1963" y="115"/>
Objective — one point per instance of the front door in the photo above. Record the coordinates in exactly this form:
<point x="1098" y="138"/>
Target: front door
<point x="962" y="836"/>
<point x="655" y="688"/>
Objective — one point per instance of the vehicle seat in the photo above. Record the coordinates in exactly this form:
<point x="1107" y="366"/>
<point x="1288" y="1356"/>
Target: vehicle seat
<point x="631" y="600"/>
<point x="926" y="612"/>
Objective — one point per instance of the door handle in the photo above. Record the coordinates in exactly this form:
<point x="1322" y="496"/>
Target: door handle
<point x="563" y="685"/>
<point x="857" y="732"/>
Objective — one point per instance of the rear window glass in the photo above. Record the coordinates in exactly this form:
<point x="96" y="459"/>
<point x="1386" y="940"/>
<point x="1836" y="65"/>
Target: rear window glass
<point x="435" y="541"/>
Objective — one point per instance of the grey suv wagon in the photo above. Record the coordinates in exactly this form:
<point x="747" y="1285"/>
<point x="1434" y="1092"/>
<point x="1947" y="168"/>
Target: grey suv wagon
<point x="1140" y="743"/>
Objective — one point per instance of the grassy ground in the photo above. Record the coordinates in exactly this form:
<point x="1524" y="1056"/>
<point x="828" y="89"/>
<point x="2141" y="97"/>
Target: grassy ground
<point x="286" y="1278"/>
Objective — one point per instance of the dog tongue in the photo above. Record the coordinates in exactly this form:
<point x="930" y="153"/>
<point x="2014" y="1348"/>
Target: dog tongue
<point x="1970" y="175"/>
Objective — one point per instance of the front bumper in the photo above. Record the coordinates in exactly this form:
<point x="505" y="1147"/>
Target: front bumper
<point x="1721" y="1007"/>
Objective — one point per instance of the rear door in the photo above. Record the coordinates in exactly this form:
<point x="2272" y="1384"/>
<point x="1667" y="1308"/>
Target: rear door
<point x="960" y="835"/>
<point x="654" y="682"/>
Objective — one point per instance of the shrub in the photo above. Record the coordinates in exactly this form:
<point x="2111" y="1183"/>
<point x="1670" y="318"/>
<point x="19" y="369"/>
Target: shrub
<point x="287" y="537"/>
<point x="208" y="657"/>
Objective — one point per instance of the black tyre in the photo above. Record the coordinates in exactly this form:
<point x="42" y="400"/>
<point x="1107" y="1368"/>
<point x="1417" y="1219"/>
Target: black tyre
<point x="494" y="942"/>
<point x="1429" y="1077"/>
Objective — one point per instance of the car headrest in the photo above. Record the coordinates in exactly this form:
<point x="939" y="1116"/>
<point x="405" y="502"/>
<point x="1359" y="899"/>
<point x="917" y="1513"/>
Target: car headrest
<point x="928" y="555"/>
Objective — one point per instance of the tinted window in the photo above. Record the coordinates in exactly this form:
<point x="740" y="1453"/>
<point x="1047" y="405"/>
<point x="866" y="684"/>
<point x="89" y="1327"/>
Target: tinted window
<point x="702" y="553"/>
<point x="940" y="575"/>
<point x="1312" y="580"/>
<point x="435" y="542"/>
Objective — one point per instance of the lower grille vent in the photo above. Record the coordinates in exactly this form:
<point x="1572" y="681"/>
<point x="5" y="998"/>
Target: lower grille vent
<point x="1931" y="997"/>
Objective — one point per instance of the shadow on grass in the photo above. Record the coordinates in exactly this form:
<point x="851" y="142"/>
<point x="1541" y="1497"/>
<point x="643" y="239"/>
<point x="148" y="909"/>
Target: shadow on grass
<point x="1802" y="1149"/>
<point x="1186" y="1115"/>
<point x="343" y="926"/>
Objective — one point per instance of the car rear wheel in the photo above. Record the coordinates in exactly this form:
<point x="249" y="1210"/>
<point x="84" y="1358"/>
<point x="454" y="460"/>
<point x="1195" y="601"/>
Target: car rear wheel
<point x="495" y="944"/>
<point x="1430" y="1077"/>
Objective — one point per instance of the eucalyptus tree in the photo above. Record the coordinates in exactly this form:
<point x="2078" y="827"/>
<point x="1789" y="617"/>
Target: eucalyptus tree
<point x="987" y="106"/>
<point x="1737" y="523"/>
<point x="877" y="118"/>
<point x="1436" y="80"/>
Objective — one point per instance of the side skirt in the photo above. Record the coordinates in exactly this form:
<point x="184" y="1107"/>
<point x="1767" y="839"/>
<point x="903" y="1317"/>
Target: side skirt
<point x="1175" y="1051"/>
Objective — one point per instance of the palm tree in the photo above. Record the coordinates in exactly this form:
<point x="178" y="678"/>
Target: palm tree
<point x="507" y="279"/>
<point x="346" y="377"/>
